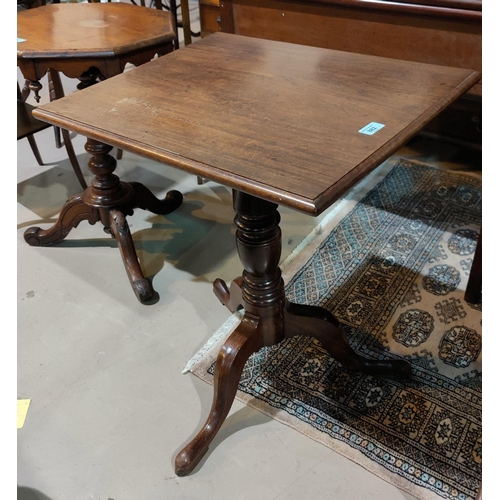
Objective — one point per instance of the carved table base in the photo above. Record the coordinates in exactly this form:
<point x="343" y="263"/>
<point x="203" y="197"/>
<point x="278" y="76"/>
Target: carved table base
<point x="268" y="319"/>
<point x="109" y="201"/>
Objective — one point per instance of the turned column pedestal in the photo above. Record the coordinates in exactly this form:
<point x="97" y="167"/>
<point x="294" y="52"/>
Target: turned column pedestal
<point x="109" y="201"/>
<point x="268" y="319"/>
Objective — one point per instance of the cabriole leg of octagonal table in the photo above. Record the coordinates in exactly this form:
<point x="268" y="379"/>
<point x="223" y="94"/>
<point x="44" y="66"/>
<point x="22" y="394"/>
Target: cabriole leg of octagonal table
<point x="109" y="201"/>
<point x="268" y="319"/>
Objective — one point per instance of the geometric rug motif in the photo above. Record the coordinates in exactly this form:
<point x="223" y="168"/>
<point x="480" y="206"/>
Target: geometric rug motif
<point x="393" y="269"/>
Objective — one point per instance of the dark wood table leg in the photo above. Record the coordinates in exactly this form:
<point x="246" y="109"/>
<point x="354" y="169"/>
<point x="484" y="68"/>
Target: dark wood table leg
<point x="268" y="319"/>
<point x="320" y="324"/>
<point x="51" y="76"/>
<point x="245" y="340"/>
<point x="109" y="201"/>
<point x="258" y="239"/>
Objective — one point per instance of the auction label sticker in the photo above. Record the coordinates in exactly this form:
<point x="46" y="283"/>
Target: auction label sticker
<point x="371" y="128"/>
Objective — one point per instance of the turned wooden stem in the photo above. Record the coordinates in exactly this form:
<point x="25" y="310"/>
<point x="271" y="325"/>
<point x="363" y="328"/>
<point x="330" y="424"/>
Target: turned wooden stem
<point x="109" y="200"/>
<point x="105" y="189"/>
<point x="258" y="241"/>
<point x="268" y="319"/>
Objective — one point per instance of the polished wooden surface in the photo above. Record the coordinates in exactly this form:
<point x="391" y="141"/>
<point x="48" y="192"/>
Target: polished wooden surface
<point x="444" y="32"/>
<point x="280" y="124"/>
<point x="109" y="201"/>
<point x="276" y="120"/>
<point x="94" y="29"/>
<point x="74" y="37"/>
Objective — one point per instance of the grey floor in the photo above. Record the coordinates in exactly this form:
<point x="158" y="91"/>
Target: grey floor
<point x="110" y="407"/>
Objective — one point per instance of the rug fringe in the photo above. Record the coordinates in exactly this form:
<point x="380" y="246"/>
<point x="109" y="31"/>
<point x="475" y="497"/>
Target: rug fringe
<point x="230" y="324"/>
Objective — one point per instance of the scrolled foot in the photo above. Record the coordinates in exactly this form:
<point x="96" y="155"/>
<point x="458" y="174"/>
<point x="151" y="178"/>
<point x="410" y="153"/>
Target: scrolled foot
<point x="73" y="212"/>
<point x="396" y="368"/>
<point x="174" y="200"/>
<point x="32" y="236"/>
<point x="120" y="230"/>
<point x="143" y="290"/>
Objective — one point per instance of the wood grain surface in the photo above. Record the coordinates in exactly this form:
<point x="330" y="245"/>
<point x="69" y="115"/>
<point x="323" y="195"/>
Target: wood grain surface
<point x="276" y="120"/>
<point x="94" y="29"/>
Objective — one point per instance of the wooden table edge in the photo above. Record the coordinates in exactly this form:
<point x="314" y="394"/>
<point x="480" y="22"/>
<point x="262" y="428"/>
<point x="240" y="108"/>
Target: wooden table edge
<point x="323" y="201"/>
<point x="188" y="165"/>
<point x="308" y="206"/>
<point x="150" y="43"/>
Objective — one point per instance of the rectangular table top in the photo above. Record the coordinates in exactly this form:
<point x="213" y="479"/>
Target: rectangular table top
<point x="292" y="124"/>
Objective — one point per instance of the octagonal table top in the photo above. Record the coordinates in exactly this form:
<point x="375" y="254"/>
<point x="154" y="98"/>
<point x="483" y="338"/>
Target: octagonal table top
<point x="90" y="30"/>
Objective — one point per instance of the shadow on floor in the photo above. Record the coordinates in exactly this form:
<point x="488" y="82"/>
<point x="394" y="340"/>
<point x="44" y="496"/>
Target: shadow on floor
<point x="24" y="493"/>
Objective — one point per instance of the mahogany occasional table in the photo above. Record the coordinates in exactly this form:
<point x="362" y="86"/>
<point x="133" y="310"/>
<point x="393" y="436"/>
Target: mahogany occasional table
<point x="280" y="124"/>
<point x="89" y="42"/>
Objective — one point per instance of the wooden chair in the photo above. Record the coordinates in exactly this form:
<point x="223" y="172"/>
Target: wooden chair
<point x="28" y="125"/>
<point x="185" y="22"/>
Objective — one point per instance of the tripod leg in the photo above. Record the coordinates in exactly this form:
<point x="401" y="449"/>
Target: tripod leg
<point x="245" y="340"/>
<point x="74" y="211"/>
<point x="320" y="324"/>
<point x="120" y="230"/>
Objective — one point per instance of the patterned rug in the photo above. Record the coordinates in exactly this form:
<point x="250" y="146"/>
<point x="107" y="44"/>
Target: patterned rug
<point x="391" y="261"/>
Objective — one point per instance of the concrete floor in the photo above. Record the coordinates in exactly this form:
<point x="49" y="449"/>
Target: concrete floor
<point x="110" y="408"/>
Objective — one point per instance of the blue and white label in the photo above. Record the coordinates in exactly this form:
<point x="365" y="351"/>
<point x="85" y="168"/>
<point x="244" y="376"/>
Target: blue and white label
<point x="19" y="40"/>
<point x="371" y="128"/>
